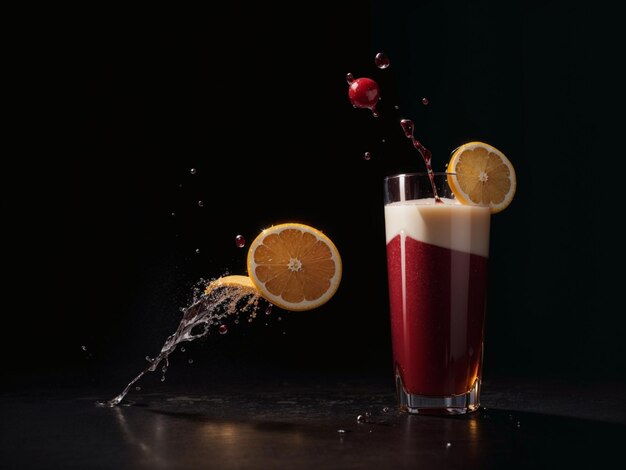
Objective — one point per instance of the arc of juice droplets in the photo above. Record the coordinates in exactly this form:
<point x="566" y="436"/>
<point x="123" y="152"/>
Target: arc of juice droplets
<point x="408" y="127"/>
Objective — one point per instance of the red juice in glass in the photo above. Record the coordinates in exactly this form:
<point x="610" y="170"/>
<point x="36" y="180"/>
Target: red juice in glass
<point x="437" y="258"/>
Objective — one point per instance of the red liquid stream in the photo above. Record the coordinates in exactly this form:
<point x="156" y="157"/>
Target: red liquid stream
<point x="408" y="127"/>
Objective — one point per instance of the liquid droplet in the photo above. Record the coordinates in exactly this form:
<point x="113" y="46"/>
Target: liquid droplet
<point x="240" y="241"/>
<point x="386" y="409"/>
<point x="367" y="156"/>
<point x="364" y="93"/>
<point x="383" y="141"/>
<point x="361" y="419"/>
<point x="269" y="308"/>
<point x="138" y="388"/>
<point x="349" y="78"/>
<point x="448" y="445"/>
<point x="149" y="359"/>
<point x="519" y="424"/>
<point x="396" y="107"/>
<point x="182" y="349"/>
<point x="197" y="250"/>
<point x="173" y="214"/>
<point x="425" y="101"/>
<point x="190" y="361"/>
<point x="223" y="329"/>
<point x="237" y="321"/>
<point x="83" y="347"/>
<point x="407" y="127"/>
<point x="192" y="171"/>
<point x="201" y="204"/>
<point x="381" y="61"/>
<point x="341" y="431"/>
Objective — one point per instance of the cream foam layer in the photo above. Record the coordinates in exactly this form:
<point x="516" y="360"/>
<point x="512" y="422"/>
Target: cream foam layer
<point x="450" y="225"/>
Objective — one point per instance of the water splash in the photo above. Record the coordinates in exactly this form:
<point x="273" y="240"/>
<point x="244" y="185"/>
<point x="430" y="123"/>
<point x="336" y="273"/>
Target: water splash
<point x="206" y="311"/>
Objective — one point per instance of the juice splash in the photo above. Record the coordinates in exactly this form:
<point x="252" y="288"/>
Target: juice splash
<point x="408" y="127"/>
<point x="365" y="93"/>
<point x="217" y="301"/>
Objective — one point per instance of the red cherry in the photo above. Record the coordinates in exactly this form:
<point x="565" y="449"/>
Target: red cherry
<point x="364" y="93"/>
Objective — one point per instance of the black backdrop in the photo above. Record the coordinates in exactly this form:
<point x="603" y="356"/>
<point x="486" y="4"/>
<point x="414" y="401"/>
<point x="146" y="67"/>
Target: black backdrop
<point x="121" y="105"/>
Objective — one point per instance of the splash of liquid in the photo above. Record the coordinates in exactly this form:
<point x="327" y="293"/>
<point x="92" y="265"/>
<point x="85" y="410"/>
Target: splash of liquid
<point x="408" y="127"/>
<point x="206" y="311"/>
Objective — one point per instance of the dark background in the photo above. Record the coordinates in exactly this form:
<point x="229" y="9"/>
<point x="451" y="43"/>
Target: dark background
<point x="122" y="104"/>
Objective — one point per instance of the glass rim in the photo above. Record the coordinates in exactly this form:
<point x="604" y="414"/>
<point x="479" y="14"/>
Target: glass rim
<point x="419" y="174"/>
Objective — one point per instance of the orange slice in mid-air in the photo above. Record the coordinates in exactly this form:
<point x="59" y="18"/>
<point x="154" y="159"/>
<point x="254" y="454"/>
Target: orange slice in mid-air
<point x="480" y="174"/>
<point x="243" y="283"/>
<point x="294" y="266"/>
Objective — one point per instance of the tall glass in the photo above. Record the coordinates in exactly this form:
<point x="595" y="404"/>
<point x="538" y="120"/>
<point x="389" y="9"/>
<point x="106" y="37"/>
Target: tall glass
<point x="437" y="257"/>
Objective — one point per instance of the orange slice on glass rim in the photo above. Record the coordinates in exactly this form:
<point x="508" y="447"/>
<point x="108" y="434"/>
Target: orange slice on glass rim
<point x="480" y="174"/>
<point x="294" y="266"/>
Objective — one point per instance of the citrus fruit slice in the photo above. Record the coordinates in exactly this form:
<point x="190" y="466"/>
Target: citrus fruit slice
<point x="481" y="174"/>
<point x="294" y="266"/>
<point x="242" y="282"/>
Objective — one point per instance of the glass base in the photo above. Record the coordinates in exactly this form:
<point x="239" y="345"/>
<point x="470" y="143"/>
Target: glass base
<point x="431" y="405"/>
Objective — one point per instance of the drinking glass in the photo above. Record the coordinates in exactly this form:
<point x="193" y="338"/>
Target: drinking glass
<point x="437" y="260"/>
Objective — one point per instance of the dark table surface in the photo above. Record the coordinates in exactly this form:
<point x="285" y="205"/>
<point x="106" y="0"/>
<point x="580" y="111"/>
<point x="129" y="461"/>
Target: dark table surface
<point x="524" y="423"/>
